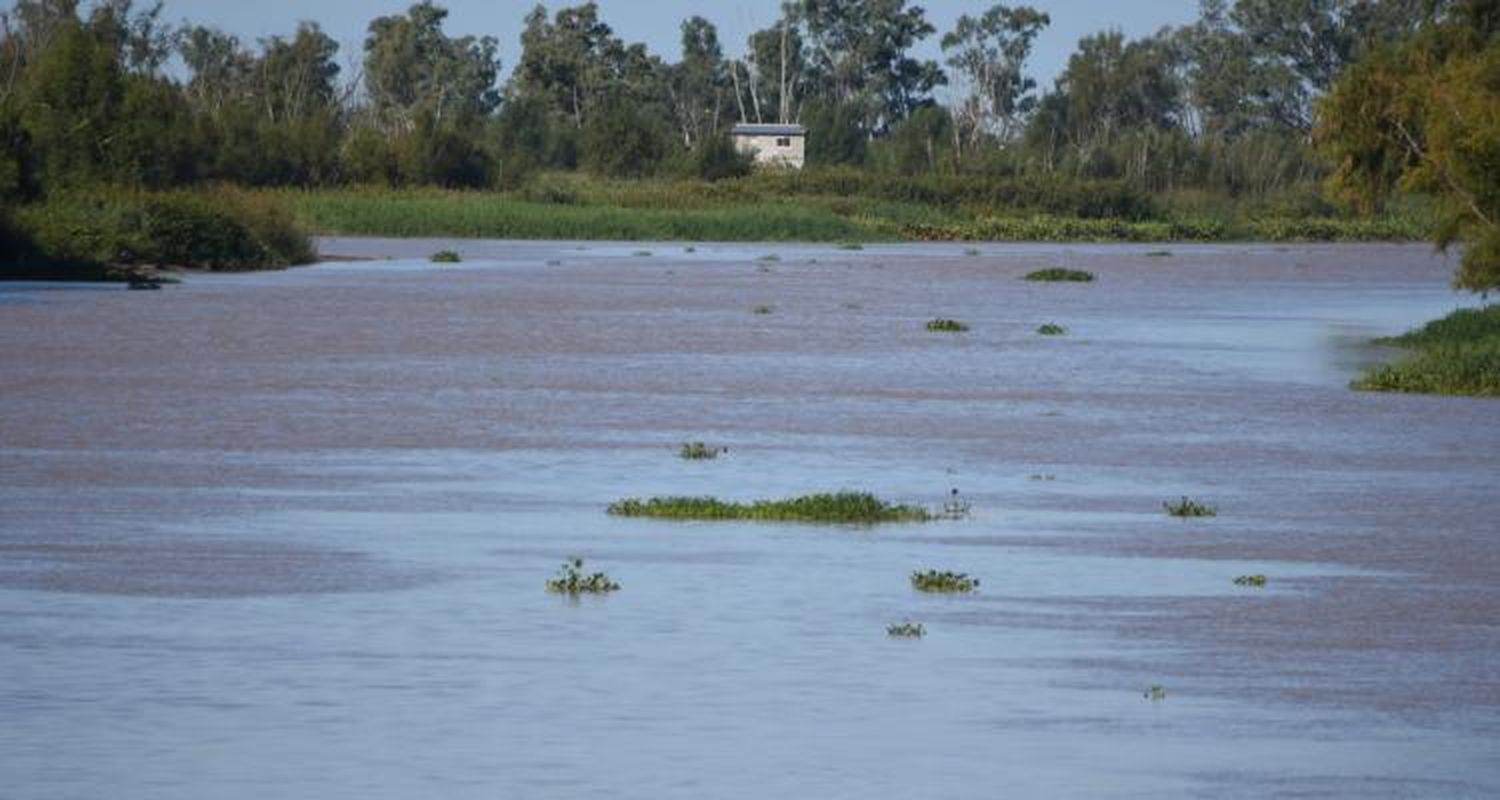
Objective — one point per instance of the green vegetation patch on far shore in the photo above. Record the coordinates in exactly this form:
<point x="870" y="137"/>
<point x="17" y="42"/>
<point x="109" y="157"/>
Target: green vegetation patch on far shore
<point x="858" y="508"/>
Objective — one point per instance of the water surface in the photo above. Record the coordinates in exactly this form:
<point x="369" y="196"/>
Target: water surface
<point x="285" y="534"/>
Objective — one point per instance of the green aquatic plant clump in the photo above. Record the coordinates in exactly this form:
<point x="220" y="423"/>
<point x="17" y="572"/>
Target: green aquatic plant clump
<point x="1456" y="355"/>
<point x="698" y="451"/>
<point x="572" y="580"/>
<point x="1252" y="581"/>
<point x="1060" y="275"/>
<point x="943" y="582"/>
<point x="1157" y="692"/>
<point x="844" y="507"/>
<point x="1187" y="507"/>
<point x="906" y="630"/>
<point x="445" y="257"/>
<point x="947" y="326"/>
<point x="1051" y="329"/>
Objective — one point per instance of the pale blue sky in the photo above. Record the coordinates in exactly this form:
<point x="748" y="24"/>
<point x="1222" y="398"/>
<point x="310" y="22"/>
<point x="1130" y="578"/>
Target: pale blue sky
<point x="655" y="22"/>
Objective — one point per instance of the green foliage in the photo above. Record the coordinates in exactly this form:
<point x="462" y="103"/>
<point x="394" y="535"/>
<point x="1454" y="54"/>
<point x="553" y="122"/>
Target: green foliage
<point x="717" y="159"/>
<point x="573" y="581"/>
<point x="1155" y="693"/>
<point x="906" y="630"/>
<point x="1456" y="355"/>
<point x="844" y="507"/>
<point x="943" y="582"/>
<point x="698" y="451"/>
<point x="223" y="230"/>
<point x="947" y="326"/>
<point x="620" y="140"/>
<point x="445" y="257"/>
<point x="1060" y="275"/>
<point x="1187" y="508"/>
<point x="1424" y="117"/>
<point x="1051" y="329"/>
<point x="1251" y="581"/>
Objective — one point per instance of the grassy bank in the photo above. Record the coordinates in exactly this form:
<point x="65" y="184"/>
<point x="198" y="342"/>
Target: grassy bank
<point x="828" y="206"/>
<point x="114" y="234"/>
<point x="1456" y="355"/>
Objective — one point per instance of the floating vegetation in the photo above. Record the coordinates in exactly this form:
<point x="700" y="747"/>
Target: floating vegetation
<point x="1051" y="329"/>
<point x="770" y="258"/>
<point x="1156" y="693"/>
<point x="762" y="310"/>
<point x="445" y="257"/>
<point x="946" y="326"/>
<point x="1456" y="355"/>
<point x="642" y="254"/>
<point x="1043" y="476"/>
<point x="844" y="507"/>
<point x="1187" y="507"/>
<point x="689" y="249"/>
<point x="555" y="262"/>
<point x="1060" y="275"/>
<point x="854" y="306"/>
<point x="943" y="582"/>
<point x="851" y="246"/>
<point x="698" y="451"/>
<point x="971" y="251"/>
<point x="1159" y="254"/>
<point x="571" y="580"/>
<point x="906" y="630"/>
<point x="1253" y="581"/>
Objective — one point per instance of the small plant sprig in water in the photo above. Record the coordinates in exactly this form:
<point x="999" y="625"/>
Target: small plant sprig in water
<point x="943" y="582"/>
<point x="1253" y="581"/>
<point x="698" y="451"/>
<point x="906" y="630"/>
<point x="946" y="326"/>
<point x="1156" y="693"/>
<point x="571" y="580"/>
<point x="1187" y="507"/>
<point x="446" y="257"/>
<point x="1060" y="275"/>
<point x="1051" y="329"/>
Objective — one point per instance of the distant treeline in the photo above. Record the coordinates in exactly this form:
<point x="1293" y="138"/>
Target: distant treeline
<point x="1225" y="104"/>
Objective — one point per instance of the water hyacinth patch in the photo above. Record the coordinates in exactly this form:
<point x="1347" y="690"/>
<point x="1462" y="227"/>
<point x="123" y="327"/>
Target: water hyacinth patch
<point x="943" y="582"/>
<point x="1187" y="507"/>
<point x="1051" y="329"/>
<point x="1060" y="275"/>
<point x="698" y="451"/>
<point x="858" y="508"/>
<point x="445" y="257"/>
<point x="572" y="580"/>
<point x="1253" y="581"/>
<point x="906" y="630"/>
<point x="947" y="326"/>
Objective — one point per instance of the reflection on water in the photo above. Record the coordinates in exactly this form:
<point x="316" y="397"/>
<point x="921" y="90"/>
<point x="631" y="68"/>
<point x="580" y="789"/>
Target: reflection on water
<point x="285" y="534"/>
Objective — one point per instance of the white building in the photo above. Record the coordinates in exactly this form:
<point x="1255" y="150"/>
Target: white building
<point x="773" y="145"/>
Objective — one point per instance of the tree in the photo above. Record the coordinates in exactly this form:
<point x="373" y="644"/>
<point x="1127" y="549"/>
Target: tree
<point x="622" y="141"/>
<point x="575" y="62"/>
<point x="412" y="69"/>
<point x="699" y="84"/>
<point x="857" y="56"/>
<point x="1424" y="117"/>
<point x="989" y="55"/>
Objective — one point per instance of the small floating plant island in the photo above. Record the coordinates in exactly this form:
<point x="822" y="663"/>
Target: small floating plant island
<point x="857" y="508"/>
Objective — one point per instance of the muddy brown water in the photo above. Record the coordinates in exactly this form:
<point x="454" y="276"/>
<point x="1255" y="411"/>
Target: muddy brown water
<point x="285" y="534"/>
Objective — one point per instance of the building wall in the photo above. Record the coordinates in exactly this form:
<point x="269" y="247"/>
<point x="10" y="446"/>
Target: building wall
<point x="769" y="152"/>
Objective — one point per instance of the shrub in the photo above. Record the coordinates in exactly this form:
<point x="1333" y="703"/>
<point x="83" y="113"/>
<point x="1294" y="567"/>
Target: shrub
<point x="943" y="582"/>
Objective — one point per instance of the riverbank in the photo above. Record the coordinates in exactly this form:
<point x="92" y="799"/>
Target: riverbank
<point x="753" y="210"/>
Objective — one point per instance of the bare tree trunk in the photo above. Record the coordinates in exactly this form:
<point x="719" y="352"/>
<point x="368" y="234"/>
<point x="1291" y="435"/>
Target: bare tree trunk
<point x="734" y="73"/>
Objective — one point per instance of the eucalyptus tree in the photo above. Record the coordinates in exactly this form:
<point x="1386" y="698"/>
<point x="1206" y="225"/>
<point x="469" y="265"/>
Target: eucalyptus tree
<point x="413" y="69"/>
<point x="699" y="85"/>
<point x="988" y="56"/>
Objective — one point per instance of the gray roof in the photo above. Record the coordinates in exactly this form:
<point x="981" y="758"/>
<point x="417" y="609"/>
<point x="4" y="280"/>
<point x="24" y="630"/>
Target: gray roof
<point x="769" y="130"/>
